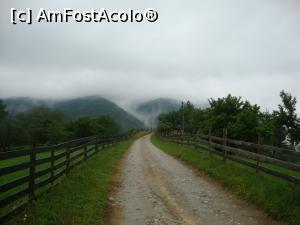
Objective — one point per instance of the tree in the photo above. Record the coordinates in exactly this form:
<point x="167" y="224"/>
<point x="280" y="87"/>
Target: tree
<point x="20" y="130"/>
<point x="223" y="112"/>
<point x="3" y="112"/>
<point x="37" y="126"/>
<point x="41" y="119"/>
<point x="106" y="126"/>
<point x="243" y="120"/>
<point x="244" y="124"/>
<point x="3" y="126"/>
<point x="57" y="132"/>
<point x="87" y="126"/>
<point x="197" y="122"/>
<point x="42" y="125"/>
<point x="287" y="125"/>
<point x="164" y="124"/>
<point x="82" y="127"/>
<point x="171" y="121"/>
<point x="188" y="110"/>
<point x="265" y="128"/>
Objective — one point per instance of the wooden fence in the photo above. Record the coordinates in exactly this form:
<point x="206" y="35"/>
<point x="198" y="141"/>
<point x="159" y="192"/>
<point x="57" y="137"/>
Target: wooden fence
<point x="268" y="159"/>
<point x="40" y="168"/>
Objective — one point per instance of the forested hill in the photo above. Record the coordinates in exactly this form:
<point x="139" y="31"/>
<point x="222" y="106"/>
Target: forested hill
<point x="94" y="106"/>
<point x="86" y="106"/>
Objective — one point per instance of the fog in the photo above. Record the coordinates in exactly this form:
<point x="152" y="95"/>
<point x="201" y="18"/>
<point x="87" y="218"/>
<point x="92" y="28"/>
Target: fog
<point x="196" y="50"/>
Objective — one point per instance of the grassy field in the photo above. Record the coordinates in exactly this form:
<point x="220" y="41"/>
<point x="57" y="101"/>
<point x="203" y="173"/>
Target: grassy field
<point x="81" y="198"/>
<point x="278" y="198"/>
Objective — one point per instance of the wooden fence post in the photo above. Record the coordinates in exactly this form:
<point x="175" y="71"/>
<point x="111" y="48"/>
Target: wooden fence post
<point x="67" y="159"/>
<point x="52" y="165"/>
<point x="224" y="144"/>
<point x="96" y="144"/>
<point x="209" y="140"/>
<point x="32" y="174"/>
<point x="257" y="151"/>
<point x="103" y="142"/>
<point x="107" y="142"/>
<point x="85" y="152"/>
<point x="111" y="141"/>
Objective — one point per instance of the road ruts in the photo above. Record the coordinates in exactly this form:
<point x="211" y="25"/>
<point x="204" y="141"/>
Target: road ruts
<point x="157" y="189"/>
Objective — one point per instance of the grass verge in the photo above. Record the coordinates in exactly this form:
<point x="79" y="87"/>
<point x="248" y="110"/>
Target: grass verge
<point x="276" y="197"/>
<point x="81" y="198"/>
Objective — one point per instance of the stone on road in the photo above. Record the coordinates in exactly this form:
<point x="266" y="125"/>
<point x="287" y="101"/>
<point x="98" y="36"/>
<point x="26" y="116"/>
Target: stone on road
<point x="157" y="189"/>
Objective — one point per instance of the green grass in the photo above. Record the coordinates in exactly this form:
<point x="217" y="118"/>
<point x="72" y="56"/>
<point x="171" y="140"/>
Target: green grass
<point x="277" y="197"/>
<point x="81" y="198"/>
<point x="21" y="173"/>
<point x="267" y="165"/>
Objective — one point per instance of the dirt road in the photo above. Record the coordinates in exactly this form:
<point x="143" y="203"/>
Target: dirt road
<point x="157" y="189"/>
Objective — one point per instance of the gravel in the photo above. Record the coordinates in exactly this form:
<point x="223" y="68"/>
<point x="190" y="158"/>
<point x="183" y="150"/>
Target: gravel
<point x="160" y="190"/>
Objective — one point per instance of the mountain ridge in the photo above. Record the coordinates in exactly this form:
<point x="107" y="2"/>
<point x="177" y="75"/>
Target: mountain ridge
<point x="77" y="107"/>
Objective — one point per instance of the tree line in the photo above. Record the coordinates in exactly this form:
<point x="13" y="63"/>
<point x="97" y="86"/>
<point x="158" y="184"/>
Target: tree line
<point x="42" y="126"/>
<point x="243" y="120"/>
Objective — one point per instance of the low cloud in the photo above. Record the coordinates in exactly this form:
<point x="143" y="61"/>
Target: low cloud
<point x="196" y="50"/>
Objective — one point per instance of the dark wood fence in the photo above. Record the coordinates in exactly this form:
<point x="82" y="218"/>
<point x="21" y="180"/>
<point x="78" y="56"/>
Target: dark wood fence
<point x="24" y="174"/>
<point x="269" y="159"/>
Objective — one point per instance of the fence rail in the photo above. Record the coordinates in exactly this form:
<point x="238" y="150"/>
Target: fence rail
<point x="252" y="156"/>
<point x="42" y="166"/>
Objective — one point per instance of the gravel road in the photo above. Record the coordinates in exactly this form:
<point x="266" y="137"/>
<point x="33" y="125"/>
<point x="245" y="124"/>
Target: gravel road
<point x="156" y="189"/>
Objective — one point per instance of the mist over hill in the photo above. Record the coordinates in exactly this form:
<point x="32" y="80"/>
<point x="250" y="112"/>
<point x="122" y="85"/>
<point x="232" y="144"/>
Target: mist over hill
<point x="94" y="106"/>
<point x="137" y="116"/>
<point x="149" y="111"/>
<point x="86" y="106"/>
<point x="23" y="104"/>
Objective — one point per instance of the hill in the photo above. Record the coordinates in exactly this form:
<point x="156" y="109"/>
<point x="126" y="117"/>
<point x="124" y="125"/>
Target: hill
<point x="23" y="104"/>
<point x="94" y="106"/>
<point x="74" y="108"/>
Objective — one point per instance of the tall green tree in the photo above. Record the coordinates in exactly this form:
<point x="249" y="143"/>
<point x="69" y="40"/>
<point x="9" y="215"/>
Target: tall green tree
<point x="188" y="111"/>
<point x="265" y="128"/>
<point x="223" y="112"/>
<point x="244" y="125"/>
<point x="165" y="125"/>
<point x="287" y="124"/>
<point x="197" y="122"/>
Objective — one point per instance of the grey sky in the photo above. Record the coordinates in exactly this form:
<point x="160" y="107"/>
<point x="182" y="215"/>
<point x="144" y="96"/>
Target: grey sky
<point x="196" y="50"/>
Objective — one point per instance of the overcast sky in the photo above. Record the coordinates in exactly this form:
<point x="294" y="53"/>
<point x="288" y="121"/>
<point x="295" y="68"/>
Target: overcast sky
<point x="196" y="50"/>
